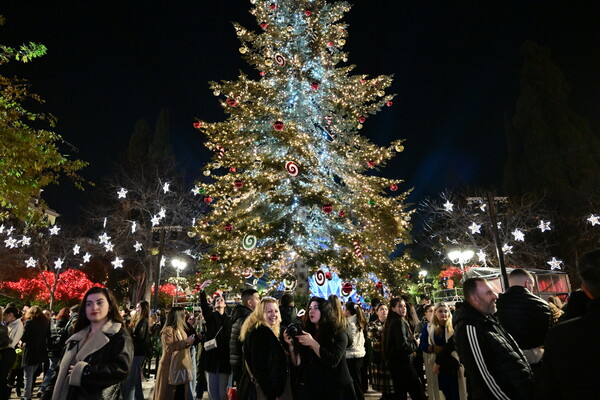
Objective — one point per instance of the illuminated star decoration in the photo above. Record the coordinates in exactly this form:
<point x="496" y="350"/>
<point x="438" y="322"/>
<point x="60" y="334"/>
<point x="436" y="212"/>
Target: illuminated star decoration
<point x="122" y="193"/>
<point x="58" y="263"/>
<point x="86" y="257"/>
<point x="519" y="235"/>
<point x="163" y="261"/>
<point x="109" y="247"/>
<point x="448" y="206"/>
<point x="481" y="255"/>
<point x="2" y="228"/>
<point x="137" y="246"/>
<point x="544" y="226"/>
<point x="507" y="249"/>
<point x="475" y="228"/>
<point x="195" y="190"/>
<point x="54" y="230"/>
<point x="133" y="226"/>
<point x="162" y="213"/>
<point x="10" y="242"/>
<point x="594" y="220"/>
<point x="117" y="263"/>
<point x="30" y="262"/>
<point x="482" y="207"/>
<point x="166" y="187"/>
<point x="76" y="249"/>
<point x="9" y="231"/>
<point x="104" y="238"/>
<point x="554" y="264"/>
<point x="155" y="220"/>
<point x="26" y="241"/>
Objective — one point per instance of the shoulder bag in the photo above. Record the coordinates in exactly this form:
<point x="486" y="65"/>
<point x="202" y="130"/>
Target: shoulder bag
<point x="180" y="371"/>
<point x="212" y="343"/>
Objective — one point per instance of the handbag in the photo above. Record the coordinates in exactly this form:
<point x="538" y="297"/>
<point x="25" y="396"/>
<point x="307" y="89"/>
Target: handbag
<point x="212" y="343"/>
<point x="180" y="370"/>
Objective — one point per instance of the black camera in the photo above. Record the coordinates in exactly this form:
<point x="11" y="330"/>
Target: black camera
<point x="294" y="329"/>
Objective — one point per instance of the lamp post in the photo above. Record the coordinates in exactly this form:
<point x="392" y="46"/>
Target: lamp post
<point x="179" y="266"/>
<point x="460" y="257"/>
<point x="422" y="275"/>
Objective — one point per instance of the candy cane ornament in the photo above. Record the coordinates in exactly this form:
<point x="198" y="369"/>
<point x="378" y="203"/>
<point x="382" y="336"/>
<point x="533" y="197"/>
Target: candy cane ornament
<point x="357" y="249"/>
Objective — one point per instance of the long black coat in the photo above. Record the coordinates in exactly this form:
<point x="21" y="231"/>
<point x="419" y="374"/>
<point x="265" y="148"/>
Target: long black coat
<point x="34" y="337"/>
<point x="216" y="359"/>
<point x="268" y="362"/>
<point x="141" y="338"/>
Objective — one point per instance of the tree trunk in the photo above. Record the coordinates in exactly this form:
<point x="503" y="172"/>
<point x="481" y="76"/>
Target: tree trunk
<point x="301" y="274"/>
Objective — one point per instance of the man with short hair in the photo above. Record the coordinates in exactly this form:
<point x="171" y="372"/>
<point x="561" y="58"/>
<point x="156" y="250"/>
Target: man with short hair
<point x="287" y="310"/>
<point x="250" y="300"/>
<point x="570" y="363"/>
<point x="12" y="318"/>
<point x="420" y="308"/>
<point x="494" y="365"/>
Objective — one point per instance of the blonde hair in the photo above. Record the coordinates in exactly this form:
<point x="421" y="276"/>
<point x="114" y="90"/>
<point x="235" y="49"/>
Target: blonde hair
<point x="257" y="318"/>
<point x="436" y="322"/>
<point x="175" y="321"/>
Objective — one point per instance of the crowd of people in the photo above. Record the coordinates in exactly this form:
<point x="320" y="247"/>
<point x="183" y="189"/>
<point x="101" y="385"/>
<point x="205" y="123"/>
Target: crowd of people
<point x="514" y="345"/>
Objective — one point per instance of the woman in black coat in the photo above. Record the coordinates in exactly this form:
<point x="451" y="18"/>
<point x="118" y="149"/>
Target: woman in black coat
<point x="7" y="359"/>
<point x="98" y="356"/>
<point x="399" y="344"/>
<point x="264" y="362"/>
<point x="139" y="327"/>
<point x="323" y="372"/>
<point x="35" y="346"/>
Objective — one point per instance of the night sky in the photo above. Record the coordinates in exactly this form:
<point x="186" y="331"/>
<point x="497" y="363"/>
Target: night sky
<point x="456" y="67"/>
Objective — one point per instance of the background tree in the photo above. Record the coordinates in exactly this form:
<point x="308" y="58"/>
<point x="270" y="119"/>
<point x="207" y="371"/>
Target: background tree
<point x="292" y="184"/>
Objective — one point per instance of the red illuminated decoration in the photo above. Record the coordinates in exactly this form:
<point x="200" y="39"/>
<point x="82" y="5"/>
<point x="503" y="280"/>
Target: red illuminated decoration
<point x="393" y="187"/>
<point x="273" y="6"/>
<point x="278" y="125"/>
<point x="238" y="184"/>
<point x="264" y="25"/>
<point x="347" y="288"/>
<point x="198" y="124"/>
<point x="314" y="86"/>
<point x="208" y="199"/>
<point x="389" y="103"/>
<point x="228" y="227"/>
<point x="214" y="258"/>
<point x="308" y="13"/>
<point x="379" y="285"/>
<point x="232" y="169"/>
<point x="342" y="214"/>
<point x="371" y="163"/>
<point x="362" y="119"/>
<point x="329" y="276"/>
<point x="327" y="208"/>
<point x="231" y="102"/>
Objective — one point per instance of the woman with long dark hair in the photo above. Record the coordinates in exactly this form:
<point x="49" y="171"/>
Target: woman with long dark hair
<point x="98" y="355"/>
<point x="321" y="355"/>
<point x="381" y="380"/>
<point x="139" y="328"/>
<point x="356" y="325"/>
<point x="399" y="344"/>
<point x="173" y="338"/>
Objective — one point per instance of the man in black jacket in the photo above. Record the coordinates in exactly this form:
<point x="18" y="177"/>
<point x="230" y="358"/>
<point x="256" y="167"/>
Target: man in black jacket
<point x="494" y="365"/>
<point x="570" y="363"/>
<point x="250" y="299"/>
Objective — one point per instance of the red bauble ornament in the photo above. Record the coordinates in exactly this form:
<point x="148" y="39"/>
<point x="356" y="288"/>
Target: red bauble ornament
<point x="208" y="199"/>
<point x="329" y="276"/>
<point x="273" y="6"/>
<point x="389" y="103"/>
<point x="362" y="81"/>
<point x="330" y="44"/>
<point x="262" y="73"/>
<point x="347" y="288"/>
<point x="371" y="163"/>
<point x="228" y="227"/>
<point x="361" y="119"/>
<point x="393" y="187"/>
<point x="379" y="285"/>
<point x="238" y="184"/>
<point x="308" y="13"/>
<point x="342" y="213"/>
<point x="232" y="169"/>
<point x="278" y="125"/>
<point x="198" y="124"/>
<point x="231" y="102"/>
<point x="314" y="86"/>
<point x="327" y="208"/>
<point x="214" y="257"/>
<point x="264" y="25"/>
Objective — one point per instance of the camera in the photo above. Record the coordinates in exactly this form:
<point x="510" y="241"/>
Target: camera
<point x="294" y="329"/>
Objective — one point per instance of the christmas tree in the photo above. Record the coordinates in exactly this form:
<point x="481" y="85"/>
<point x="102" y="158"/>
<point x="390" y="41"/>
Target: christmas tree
<point x="292" y="184"/>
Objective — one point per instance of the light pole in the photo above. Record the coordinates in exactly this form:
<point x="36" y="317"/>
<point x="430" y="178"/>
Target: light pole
<point x="179" y="266"/>
<point x="460" y="257"/>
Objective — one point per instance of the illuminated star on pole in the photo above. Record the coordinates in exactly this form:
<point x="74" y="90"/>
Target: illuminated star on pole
<point x="166" y="187"/>
<point x="26" y="241"/>
<point x="544" y="226"/>
<point x="163" y="261"/>
<point x="58" y="263"/>
<point x="133" y="226"/>
<point x="482" y="256"/>
<point x="482" y="207"/>
<point x="117" y="263"/>
<point x="554" y="264"/>
<point x="475" y="228"/>
<point x="104" y="238"/>
<point x="76" y="249"/>
<point x="519" y="235"/>
<point x="54" y="230"/>
<point x="9" y="231"/>
<point x="155" y="220"/>
<point x="507" y="249"/>
<point x="448" y="206"/>
<point x="122" y="193"/>
<point x="162" y="213"/>
<point x="109" y="247"/>
<point x="594" y="220"/>
<point x="137" y="246"/>
<point x="30" y="262"/>
<point x="86" y="257"/>
<point x="10" y="243"/>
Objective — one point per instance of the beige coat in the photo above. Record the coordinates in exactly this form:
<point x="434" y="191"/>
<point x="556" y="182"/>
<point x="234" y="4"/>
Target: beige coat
<point x="170" y="344"/>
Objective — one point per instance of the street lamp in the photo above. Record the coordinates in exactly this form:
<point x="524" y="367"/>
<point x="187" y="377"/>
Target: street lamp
<point x="460" y="257"/>
<point x="179" y="266"/>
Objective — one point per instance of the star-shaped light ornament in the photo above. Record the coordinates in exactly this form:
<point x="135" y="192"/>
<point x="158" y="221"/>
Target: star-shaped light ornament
<point x="544" y="226"/>
<point x="11" y="242"/>
<point x="54" y="230"/>
<point x="481" y="256"/>
<point x="475" y="228"/>
<point x="482" y="207"/>
<point x="76" y="249"/>
<point x="195" y="190"/>
<point x="58" y="263"/>
<point x="109" y="247"/>
<point x="2" y="228"/>
<point x="104" y="238"/>
<point x="507" y="249"/>
<point x="10" y="230"/>
<point x="117" y="263"/>
<point x="26" y="241"/>
<point x="554" y="264"/>
<point x="86" y="257"/>
<point x="163" y="261"/>
<point x="137" y="246"/>
<point x="166" y="188"/>
<point x="594" y="220"/>
<point x="155" y="220"/>
<point x="133" y="226"/>
<point x="122" y="193"/>
<point x="30" y="262"/>
<point x="162" y="213"/>
<point x="448" y="206"/>
<point x="518" y="235"/>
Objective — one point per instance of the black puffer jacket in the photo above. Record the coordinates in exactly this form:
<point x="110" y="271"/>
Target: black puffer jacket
<point x="525" y="316"/>
<point x="238" y="316"/>
<point x="399" y="342"/>
<point x="494" y="365"/>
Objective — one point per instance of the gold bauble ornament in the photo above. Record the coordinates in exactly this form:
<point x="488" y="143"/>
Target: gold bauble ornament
<point x="342" y="42"/>
<point x="207" y="172"/>
<point x="243" y="50"/>
<point x="268" y="62"/>
<point x="399" y="148"/>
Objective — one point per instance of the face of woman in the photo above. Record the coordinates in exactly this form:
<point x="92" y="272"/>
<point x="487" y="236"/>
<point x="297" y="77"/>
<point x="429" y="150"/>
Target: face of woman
<point x="400" y="308"/>
<point x="96" y="308"/>
<point x="442" y="314"/>
<point x="429" y="314"/>
<point x="138" y="308"/>
<point x="220" y="302"/>
<point x="271" y="314"/>
<point x="314" y="313"/>
<point x="382" y="313"/>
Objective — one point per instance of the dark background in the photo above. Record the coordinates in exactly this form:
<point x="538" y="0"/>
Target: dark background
<point x="456" y="66"/>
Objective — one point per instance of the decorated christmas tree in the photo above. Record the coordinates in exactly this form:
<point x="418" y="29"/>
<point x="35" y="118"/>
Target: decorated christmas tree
<point x="292" y="184"/>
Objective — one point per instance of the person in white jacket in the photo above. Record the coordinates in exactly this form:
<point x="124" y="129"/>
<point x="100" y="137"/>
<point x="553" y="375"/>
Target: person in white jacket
<point x="356" y="326"/>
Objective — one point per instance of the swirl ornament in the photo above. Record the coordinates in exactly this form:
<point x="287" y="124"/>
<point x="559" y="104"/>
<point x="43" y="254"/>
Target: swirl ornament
<point x="289" y="284"/>
<point x="320" y="278"/>
<point x="249" y="242"/>
<point x="280" y="60"/>
<point x="247" y="273"/>
<point x="292" y="168"/>
<point x="347" y="289"/>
